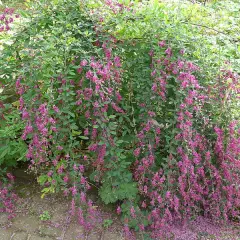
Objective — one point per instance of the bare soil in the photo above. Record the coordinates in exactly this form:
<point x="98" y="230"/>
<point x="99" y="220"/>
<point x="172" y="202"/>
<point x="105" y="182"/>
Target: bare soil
<point x="61" y="226"/>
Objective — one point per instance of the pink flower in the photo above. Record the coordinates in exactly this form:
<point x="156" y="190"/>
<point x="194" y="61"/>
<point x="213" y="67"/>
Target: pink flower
<point x="65" y="179"/>
<point x="29" y="129"/>
<point x="81" y="168"/>
<point x="137" y="152"/>
<point x="25" y="114"/>
<point x="108" y="53"/>
<point x="117" y="108"/>
<point x="74" y="190"/>
<point x="158" y="130"/>
<point x="21" y="101"/>
<point x="86" y="132"/>
<point x="88" y="92"/>
<point x="145" y="189"/>
<point x="75" y="168"/>
<point x="151" y="53"/>
<point x="162" y="44"/>
<point x="180" y="64"/>
<point x="141" y="227"/>
<point x="169" y="52"/>
<point x="83" y="180"/>
<point x="87" y="114"/>
<point x="119" y="97"/>
<point x="89" y="74"/>
<point x="10" y="176"/>
<point x="168" y="194"/>
<point x="79" y="102"/>
<point x="79" y="70"/>
<point x="144" y="205"/>
<point x="154" y="87"/>
<point x="119" y="210"/>
<point x="151" y="114"/>
<point x="83" y="197"/>
<point x="43" y="109"/>
<point x="117" y="61"/>
<point x="182" y="51"/>
<point x="84" y="62"/>
<point x="54" y="129"/>
<point x="18" y="84"/>
<point x="153" y="73"/>
<point x="133" y="213"/>
<point x="56" y="109"/>
<point x="60" y="170"/>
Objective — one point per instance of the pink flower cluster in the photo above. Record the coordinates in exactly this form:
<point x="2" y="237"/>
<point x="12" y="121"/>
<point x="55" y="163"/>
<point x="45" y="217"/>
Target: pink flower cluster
<point x="6" y="18"/>
<point x="8" y="198"/>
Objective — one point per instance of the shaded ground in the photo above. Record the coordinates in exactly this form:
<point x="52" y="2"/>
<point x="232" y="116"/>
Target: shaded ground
<point x="28" y="225"/>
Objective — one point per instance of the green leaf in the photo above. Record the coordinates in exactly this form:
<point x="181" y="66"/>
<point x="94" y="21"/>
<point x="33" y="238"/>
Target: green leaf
<point x="84" y="137"/>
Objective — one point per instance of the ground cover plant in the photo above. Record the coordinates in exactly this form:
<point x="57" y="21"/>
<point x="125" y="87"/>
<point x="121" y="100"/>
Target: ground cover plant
<point x="137" y="99"/>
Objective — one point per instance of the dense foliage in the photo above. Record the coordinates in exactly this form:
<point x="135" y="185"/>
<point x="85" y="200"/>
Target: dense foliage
<point x="136" y="98"/>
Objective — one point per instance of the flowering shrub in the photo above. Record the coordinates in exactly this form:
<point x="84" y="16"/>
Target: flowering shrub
<point x="139" y="120"/>
<point x="193" y="178"/>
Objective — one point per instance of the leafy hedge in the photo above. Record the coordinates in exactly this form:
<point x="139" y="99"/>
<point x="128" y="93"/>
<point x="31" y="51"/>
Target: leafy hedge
<point x="132" y="98"/>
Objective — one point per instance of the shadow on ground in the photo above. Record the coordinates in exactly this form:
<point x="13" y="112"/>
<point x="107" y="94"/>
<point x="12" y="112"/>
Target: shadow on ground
<point x="28" y="225"/>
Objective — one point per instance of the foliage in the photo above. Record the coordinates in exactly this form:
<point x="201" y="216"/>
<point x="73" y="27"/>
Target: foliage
<point x="107" y="223"/>
<point x="132" y="97"/>
<point x="45" y="216"/>
<point x="12" y="147"/>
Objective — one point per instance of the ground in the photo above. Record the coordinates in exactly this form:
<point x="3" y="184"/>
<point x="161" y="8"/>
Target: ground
<point x="28" y="226"/>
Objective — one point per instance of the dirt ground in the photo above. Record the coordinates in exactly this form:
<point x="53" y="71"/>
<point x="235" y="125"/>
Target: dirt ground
<point x="28" y="226"/>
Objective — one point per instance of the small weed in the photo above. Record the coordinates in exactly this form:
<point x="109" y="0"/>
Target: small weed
<point x="107" y="223"/>
<point x="45" y="216"/>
